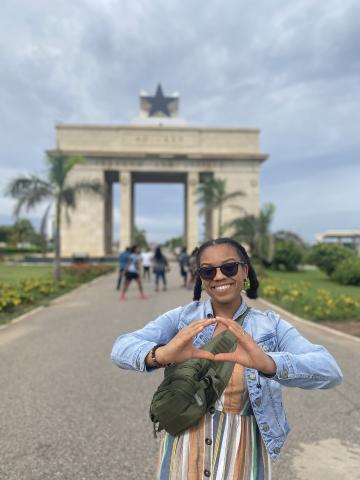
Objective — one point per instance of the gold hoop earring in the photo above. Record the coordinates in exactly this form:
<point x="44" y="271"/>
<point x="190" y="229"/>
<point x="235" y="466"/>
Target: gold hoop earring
<point x="246" y="284"/>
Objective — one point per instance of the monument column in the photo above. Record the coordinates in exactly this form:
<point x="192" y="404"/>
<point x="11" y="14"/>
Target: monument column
<point x="85" y="233"/>
<point x="126" y="207"/>
<point x="191" y="210"/>
<point x="108" y="214"/>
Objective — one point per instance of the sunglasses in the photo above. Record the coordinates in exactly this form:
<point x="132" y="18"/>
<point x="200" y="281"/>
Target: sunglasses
<point x="229" y="269"/>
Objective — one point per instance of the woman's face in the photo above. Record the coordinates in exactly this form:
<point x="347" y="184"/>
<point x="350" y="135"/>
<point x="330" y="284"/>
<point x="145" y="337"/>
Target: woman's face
<point x="223" y="289"/>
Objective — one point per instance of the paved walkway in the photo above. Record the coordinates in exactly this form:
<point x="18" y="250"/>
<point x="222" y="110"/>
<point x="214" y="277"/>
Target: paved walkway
<point x="67" y="413"/>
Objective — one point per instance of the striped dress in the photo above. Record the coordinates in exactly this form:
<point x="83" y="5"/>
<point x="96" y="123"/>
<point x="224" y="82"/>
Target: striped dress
<point x="225" y="445"/>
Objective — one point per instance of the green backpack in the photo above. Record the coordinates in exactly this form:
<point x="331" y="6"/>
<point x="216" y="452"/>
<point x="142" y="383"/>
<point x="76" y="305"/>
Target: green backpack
<point x="189" y="389"/>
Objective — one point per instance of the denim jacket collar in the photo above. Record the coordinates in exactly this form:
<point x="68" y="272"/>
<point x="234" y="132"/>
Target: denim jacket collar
<point x="209" y="312"/>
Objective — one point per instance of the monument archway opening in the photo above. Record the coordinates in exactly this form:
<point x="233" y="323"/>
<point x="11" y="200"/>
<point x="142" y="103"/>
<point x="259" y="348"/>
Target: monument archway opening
<point x="159" y="208"/>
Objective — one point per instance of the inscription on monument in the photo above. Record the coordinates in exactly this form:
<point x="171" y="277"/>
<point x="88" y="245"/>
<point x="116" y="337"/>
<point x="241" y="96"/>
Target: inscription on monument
<point x="159" y="139"/>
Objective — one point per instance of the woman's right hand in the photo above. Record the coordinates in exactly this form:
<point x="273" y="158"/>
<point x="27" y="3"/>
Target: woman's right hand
<point x="181" y="348"/>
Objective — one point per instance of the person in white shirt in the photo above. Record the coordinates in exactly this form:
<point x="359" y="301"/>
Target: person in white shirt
<point x="146" y="263"/>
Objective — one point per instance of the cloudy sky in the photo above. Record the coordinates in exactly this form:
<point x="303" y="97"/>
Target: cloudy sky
<point x="291" y="69"/>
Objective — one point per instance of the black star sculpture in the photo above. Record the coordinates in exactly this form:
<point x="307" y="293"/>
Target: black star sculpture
<point x="159" y="103"/>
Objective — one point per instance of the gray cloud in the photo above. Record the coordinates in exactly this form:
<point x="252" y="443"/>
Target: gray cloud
<point x="291" y="69"/>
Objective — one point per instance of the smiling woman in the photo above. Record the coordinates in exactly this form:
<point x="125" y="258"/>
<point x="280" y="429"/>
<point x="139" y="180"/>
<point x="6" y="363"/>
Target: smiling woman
<point x="246" y="426"/>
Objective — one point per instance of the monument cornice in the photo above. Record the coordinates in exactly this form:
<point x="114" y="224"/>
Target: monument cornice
<point x="260" y="157"/>
<point x="155" y="128"/>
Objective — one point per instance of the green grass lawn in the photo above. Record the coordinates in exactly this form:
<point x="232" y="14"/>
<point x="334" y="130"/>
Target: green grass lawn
<point x="315" y="277"/>
<point x="15" y="273"/>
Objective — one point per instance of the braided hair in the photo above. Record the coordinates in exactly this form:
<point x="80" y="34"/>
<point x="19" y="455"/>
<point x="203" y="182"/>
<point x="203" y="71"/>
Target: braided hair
<point x="251" y="292"/>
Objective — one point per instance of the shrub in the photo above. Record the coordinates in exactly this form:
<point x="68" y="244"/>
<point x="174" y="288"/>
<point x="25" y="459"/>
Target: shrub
<point x="348" y="272"/>
<point x="83" y="272"/>
<point x="327" y="256"/>
<point x="288" y="255"/>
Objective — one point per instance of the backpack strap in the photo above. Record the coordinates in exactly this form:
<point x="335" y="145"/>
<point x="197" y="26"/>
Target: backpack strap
<point x="224" y="342"/>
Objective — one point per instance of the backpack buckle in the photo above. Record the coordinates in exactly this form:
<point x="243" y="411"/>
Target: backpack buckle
<point x="198" y="399"/>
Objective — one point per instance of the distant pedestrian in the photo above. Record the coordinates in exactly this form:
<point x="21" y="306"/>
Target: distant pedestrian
<point x="146" y="263"/>
<point x="160" y="267"/>
<point x="184" y="265"/>
<point x="132" y="272"/>
<point x="123" y="261"/>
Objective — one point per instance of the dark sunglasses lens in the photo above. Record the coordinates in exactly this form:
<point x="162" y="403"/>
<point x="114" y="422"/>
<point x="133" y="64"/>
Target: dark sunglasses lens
<point x="230" y="269"/>
<point x="207" y="273"/>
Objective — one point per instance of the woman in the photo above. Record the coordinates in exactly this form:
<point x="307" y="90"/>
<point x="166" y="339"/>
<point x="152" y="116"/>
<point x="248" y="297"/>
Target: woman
<point x="132" y="272"/>
<point x="248" y="425"/>
<point x="160" y="268"/>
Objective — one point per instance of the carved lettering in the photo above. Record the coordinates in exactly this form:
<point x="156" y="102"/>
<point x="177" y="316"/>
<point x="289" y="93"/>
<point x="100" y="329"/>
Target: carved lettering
<point x="156" y="139"/>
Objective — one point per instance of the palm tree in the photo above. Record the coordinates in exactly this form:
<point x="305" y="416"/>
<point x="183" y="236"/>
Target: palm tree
<point x="255" y="232"/>
<point x="30" y="191"/>
<point x="212" y="195"/>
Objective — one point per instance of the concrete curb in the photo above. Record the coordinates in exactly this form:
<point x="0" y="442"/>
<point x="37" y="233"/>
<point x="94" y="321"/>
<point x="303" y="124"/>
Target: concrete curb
<point x="22" y="317"/>
<point x="309" y="323"/>
<point x="52" y="302"/>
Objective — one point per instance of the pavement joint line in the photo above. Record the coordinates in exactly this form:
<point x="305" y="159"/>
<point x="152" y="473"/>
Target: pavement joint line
<point x="52" y="302"/>
<point x="309" y="323"/>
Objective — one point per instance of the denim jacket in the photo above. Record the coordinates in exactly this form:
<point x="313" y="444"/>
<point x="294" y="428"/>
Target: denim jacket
<point x="299" y="363"/>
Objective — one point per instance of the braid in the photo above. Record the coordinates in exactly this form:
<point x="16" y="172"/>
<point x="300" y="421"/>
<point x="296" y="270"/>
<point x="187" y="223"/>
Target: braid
<point x="197" y="288"/>
<point x="251" y="292"/>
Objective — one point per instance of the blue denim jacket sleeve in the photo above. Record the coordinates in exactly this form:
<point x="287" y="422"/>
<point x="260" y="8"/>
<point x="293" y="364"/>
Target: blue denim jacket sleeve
<point x="129" y="350"/>
<point x="300" y="363"/>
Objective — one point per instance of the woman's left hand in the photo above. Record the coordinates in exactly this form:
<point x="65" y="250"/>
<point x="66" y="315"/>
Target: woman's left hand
<point x="247" y="352"/>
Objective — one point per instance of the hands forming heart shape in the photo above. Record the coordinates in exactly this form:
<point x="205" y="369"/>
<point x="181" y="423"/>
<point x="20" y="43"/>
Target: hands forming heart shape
<point x="247" y="352"/>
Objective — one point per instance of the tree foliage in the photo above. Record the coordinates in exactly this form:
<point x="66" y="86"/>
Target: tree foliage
<point x="287" y="256"/>
<point x="22" y="232"/>
<point x="31" y="191"/>
<point x="175" y="242"/>
<point x="289" y="236"/>
<point x="140" y="238"/>
<point x="347" y="272"/>
<point x="327" y="256"/>
<point x="255" y="232"/>
<point x="212" y="196"/>
<point x="5" y="233"/>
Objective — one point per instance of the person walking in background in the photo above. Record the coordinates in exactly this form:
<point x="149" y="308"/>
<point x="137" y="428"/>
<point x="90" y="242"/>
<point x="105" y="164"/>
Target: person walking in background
<point x="123" y="261"/>
<point x="132" y="272"/>
<point x="146" y="262"/>
<point x="184" y="265"/>
<point x="160" y="268"/>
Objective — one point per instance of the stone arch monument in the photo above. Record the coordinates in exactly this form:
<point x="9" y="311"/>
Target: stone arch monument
<point x="157" y="146"/>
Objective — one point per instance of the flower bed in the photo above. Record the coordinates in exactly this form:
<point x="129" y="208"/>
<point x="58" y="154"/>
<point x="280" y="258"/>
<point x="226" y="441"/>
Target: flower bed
<point x="15" y="298"/>
<point x="27" y="292"/>
<point x="311" y="303"/>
